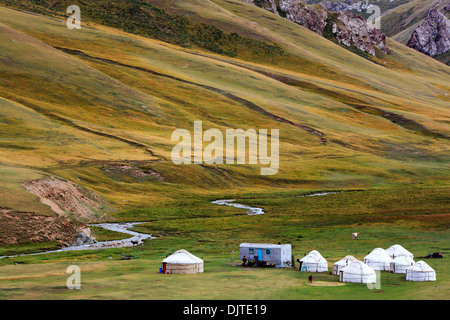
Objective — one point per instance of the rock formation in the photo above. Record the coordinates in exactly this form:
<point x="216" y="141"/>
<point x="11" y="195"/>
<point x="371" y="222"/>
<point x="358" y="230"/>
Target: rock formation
<point x="351" y="28"/>
<point x="345" y="27"/>
<point x="432" y="37"/>
<point x="347" y="5"/>
<point x="312" y="17"/>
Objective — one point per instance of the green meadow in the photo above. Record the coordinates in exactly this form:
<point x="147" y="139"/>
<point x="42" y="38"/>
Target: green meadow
<point x="78" y="105"/>
<point x="382" y="217"/>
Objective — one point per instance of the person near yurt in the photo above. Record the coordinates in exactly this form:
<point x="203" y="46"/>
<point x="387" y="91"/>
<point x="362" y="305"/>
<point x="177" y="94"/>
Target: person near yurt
<point x="313" y="262"/>
<point x="182" y="262"/>
<point x="401" y="263"/>
<point x="420" y="271"/>
<point x="344" y="262"/>
<point x="378" y="259"/>
<point x="358" y="272"/>
<point x="397" y="250"/>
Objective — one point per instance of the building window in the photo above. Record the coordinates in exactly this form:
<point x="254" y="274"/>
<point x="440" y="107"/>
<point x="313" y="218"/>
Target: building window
<point x="268" y="251"/>
<point x="251" y="251"/>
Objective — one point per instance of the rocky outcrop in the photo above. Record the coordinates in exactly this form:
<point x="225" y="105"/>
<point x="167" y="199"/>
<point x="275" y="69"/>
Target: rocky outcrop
<point x="84" y="236"/>
<point x="345" y="27"/>
<point x="351" y="28"/>
<point x="312" y="17"/>
<point x="359" y="6"/>
<point x="432" y="37"/>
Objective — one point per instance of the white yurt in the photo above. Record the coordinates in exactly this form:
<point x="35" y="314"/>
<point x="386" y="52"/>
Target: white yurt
<point x="344" y="262"/>
<point x="313" y="262"/>
<point x="378" y="259"/>
<point x="182" y="262"/>
<point x="420" y="271"/>
<point x="401" y="263"/>
<point x="358" y="272"/>
<point x="397" y="250"/>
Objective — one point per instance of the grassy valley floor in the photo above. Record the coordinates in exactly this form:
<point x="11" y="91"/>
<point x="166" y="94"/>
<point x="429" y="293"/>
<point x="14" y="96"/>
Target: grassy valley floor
<point x="383" y="217"/>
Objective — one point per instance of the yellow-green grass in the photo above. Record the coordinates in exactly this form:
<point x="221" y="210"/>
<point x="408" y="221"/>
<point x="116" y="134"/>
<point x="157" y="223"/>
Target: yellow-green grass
<point x="386" y="217"/>
<point x="68" y="114"/>
<point x="377" y="152"/>
<point x="139" y="279"/>
<point x="375" y="146"/>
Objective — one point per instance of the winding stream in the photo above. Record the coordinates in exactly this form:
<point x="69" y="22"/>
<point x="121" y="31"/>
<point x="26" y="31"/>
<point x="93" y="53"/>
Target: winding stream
<point x="119" y="227"/>
<point x="251" y="211"/>
<point x="318" y="194"/>
<point x="137" y="237"/>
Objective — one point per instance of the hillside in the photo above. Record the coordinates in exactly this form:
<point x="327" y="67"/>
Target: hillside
<point x="403" y="21"/>
<point x="400" y="22"/>
<point x="97" y="106"/>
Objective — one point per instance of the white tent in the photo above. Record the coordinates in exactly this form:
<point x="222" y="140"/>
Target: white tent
<point x="313" y="262"/>
<point x="358" y="272"/>
<point x="397" y="250"/>
<point x="420" y="271"/>
<point x="401" y="263"/>
<point x="182" y="262"/>
<point x="344" y="262"/>
<point x="378" y="259"/>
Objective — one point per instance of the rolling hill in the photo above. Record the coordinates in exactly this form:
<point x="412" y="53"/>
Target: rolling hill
<point x="97" y="106"/>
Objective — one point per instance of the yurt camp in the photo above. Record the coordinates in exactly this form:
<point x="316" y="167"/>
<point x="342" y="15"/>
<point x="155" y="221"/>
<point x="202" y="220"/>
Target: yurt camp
<point x="182" y="262"/>
<point x="358" y="272"/>
<point x="397" y="250"/>
<point x="420" y="271"/>
<point x="344" y="262"/>
<point x="378" y="259"/>
<point x="401" y="263"/>
<point x="313" y="262"/>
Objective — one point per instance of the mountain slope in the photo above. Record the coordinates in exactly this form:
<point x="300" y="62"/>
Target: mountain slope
<point x="400" y="22"/>
<point x="86" y="103"/>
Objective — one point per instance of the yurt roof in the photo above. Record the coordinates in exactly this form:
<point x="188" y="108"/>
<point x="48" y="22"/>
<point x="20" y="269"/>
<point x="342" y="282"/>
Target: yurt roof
<point x="343" y="261"/>
<point x="378" y="254"/>
<point x="403" y="260"/>
<point x="421" y="266"/>
<point x="182" y="257"/>
<point x="358" y="267"/>
<point x="398" y="250"/>
<point x="313" y="256"/>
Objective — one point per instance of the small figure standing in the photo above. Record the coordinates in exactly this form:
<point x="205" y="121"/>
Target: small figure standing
<point x="244" y="261"/>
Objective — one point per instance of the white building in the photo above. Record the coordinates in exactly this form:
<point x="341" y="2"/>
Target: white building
<point x="397" y="250"/>
<point x="344" y="262"/>
<point x="182" y="262"/>
<point x="378" y="259"/>
<point x="280" y="255"/>
<point x="401" y="263"/>
<point x="313" y="262"/>
<point x="420" y="271"/>
<point x="358" y="272"/>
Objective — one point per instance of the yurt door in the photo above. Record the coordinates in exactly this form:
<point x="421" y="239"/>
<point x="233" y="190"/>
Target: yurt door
<point x="164" y="265"/>
<point x="260" y="254"/>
